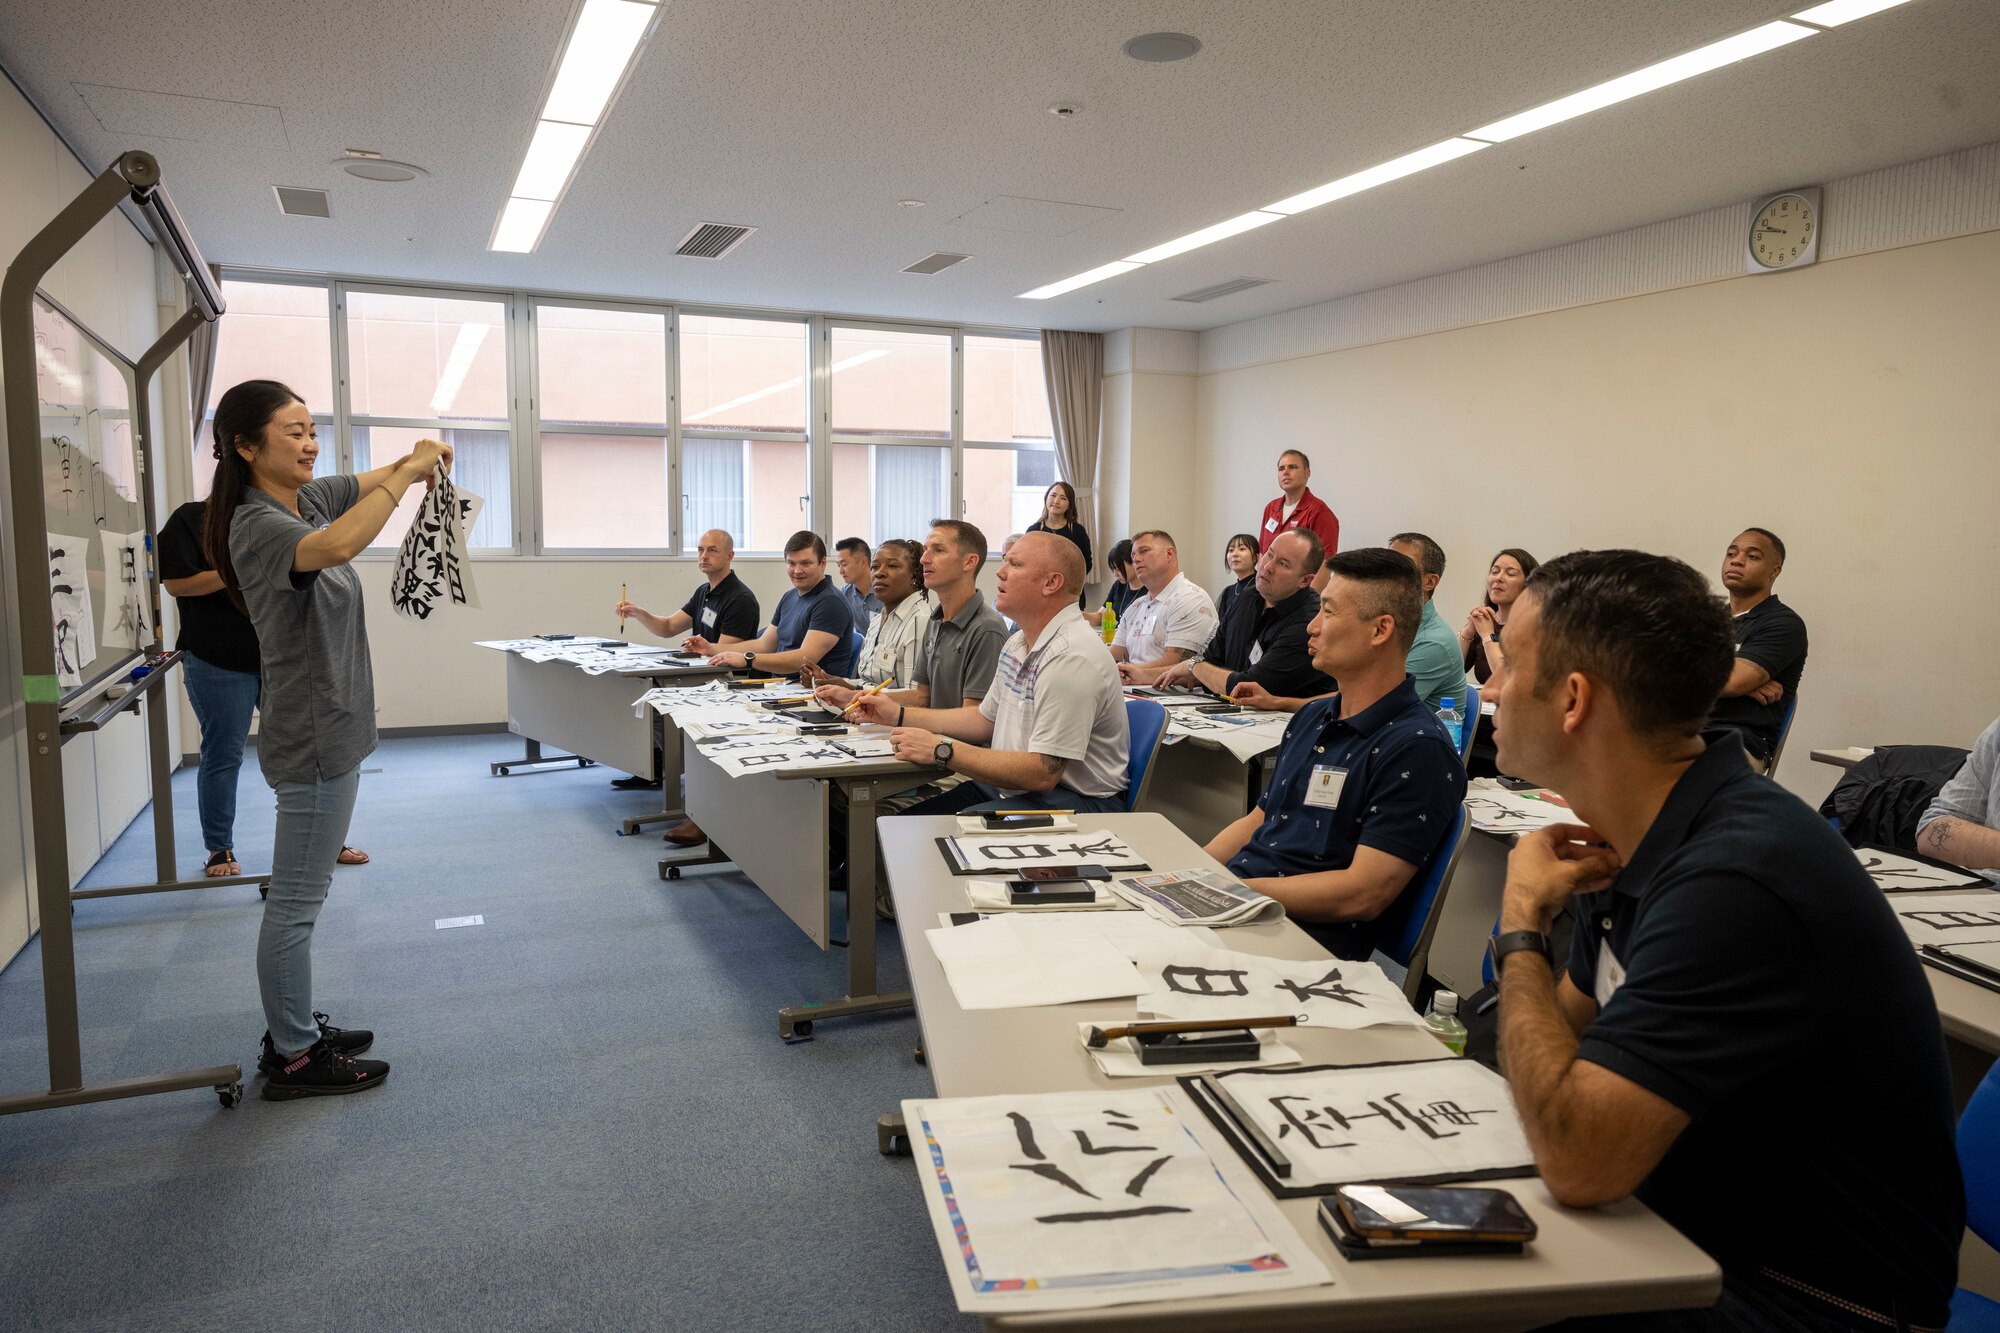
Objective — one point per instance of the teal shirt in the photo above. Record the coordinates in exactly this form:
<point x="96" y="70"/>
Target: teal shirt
<point x="1435" y="661"/>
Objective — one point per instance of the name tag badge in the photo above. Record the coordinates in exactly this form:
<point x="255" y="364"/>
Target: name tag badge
<point x="1324" y="787"/>
<point x="708" y="617"/>
<point x="1256" y="653"/>
<point x="1270" y="525"/>
<point x="1610" y="976"/>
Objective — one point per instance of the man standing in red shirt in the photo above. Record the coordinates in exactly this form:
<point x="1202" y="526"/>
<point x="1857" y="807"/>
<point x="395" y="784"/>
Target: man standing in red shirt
<point x="1298" y="507"/>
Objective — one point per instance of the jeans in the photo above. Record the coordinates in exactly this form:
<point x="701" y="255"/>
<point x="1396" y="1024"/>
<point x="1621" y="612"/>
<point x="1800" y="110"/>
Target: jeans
<point x="312" y="825"/>
<point x="223" y="701"/>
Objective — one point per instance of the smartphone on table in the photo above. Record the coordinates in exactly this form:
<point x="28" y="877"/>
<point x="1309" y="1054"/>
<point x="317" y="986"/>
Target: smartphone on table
<point x="1419" y="1213"/>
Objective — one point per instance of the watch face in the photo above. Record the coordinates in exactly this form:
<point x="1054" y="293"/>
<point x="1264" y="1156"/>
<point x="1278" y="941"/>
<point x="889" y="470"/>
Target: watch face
<point x="1782" y="231"/>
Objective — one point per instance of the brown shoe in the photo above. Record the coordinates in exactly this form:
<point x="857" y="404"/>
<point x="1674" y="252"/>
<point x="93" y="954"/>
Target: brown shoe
<point x="687" y="833"/>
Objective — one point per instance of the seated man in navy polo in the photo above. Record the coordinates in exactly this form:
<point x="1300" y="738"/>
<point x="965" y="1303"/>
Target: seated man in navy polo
<point x="1744" y="1038"/>
<point x="1770" y="638"/>
<point x="1367" y="782"/>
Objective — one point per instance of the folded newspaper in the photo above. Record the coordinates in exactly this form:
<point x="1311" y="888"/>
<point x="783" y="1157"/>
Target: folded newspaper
<point x="1198" y="898"/>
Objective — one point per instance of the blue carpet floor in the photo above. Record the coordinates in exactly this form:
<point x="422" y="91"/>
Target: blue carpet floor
<point x="591" y="1123"/>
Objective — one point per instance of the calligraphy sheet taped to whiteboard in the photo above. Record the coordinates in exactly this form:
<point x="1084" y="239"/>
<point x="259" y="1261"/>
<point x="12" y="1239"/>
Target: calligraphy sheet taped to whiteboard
<point x="1074" y="1200"/>
<point x="1192" y="982"/>
<point x="1309" y="1131"/>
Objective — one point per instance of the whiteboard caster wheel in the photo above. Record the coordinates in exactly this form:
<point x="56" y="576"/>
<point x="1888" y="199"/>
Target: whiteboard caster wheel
<point x="229" y="1094"/>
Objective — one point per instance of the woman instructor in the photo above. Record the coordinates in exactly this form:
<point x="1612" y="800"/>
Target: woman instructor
<point x="282" y="541"/>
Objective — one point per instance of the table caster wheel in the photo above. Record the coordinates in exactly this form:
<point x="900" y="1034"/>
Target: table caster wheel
<point x="263" y="890"/>
<point x="229" y="1094"/>
<point x="799" y="1031"/>
<point x="506" y="772"/>
<point x="673" y="872"/>
<point x="892" y="1138"/>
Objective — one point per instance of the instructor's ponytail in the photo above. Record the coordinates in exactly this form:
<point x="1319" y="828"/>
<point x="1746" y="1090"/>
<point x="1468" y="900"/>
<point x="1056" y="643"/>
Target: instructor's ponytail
<point x="240" y="417"/>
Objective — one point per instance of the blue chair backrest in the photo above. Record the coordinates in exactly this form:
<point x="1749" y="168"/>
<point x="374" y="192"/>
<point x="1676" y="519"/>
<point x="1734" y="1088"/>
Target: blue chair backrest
<point x="1471" y="715"/>
<point x="1979" y="1157"/>
<point x="1784" y="732"/>
<point x="1411" y="921"/>
<point x="859" y="639"/>
<point x="1148" y="722"/>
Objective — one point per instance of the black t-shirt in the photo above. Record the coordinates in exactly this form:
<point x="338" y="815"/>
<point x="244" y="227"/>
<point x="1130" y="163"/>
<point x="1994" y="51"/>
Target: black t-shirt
<point x="211" y="626"/>
<point x="726" y="608"/>
<point x="1276" y="637"/>
<point x="1769" y="993"/>
<point x="1123" y="595"/>
<point x="1771" y="635"/>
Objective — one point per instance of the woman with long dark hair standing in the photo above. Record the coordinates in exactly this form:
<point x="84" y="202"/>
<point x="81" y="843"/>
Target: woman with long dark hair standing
<point x="282" y="541"/>
<point x="1059" y="517"/>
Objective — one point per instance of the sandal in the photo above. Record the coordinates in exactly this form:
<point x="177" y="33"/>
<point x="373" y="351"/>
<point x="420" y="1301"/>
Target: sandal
<point x="352" y="856"/>
<point x="222" y="863"/>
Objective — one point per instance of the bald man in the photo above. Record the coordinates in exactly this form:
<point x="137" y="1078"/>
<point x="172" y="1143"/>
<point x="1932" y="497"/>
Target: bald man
<point x="722" y="610"/>
<point x="1051" y="731"/>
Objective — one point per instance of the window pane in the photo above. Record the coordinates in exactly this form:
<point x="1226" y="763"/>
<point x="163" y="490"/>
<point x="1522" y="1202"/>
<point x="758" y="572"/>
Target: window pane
<point x="478" y="465"/>
<point x="603" y="366"/>
<point x="604" y="490"/>
<point x="1005" y="397"/>
<point x="743" y="374"/>
<point x="728" y="483"/>
<point x="886" y="491"/>
<point x="1004" y="488"/>
<point x="272" y="331"/>
<point x="426" y="356"/>
<point x="889" y="383"/>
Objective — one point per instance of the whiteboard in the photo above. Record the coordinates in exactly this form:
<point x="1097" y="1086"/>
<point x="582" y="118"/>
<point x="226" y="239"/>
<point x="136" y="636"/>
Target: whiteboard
<point x="91" y="476"/>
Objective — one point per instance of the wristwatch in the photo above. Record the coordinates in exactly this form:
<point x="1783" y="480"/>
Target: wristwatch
<point x="942" y="755"/>
<point x="1516" y="941"/>
<point x="749" y="661"/>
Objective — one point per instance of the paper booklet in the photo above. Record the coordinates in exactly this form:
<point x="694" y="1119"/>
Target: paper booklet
<point x="1198" y="898"/>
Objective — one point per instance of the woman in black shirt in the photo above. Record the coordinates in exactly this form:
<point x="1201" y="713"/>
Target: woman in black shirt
<point x="1240" y="554"/>
<point x="1059" y="517"/>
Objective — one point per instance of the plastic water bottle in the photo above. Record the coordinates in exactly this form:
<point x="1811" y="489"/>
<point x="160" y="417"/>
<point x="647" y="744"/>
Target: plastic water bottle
<point x="1110" y="621"/>
<point x="1443" y="1022"/>
<point x="1453" y="723"/>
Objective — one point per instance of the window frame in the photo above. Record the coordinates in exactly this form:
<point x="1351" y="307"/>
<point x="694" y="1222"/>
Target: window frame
<point x="523" y="418"/>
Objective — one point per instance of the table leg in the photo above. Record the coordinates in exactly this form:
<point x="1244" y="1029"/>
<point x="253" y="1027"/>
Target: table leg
<point x="795" y="1021"/>
<point x="667" y="739"/>
<point x="533" y="757"/>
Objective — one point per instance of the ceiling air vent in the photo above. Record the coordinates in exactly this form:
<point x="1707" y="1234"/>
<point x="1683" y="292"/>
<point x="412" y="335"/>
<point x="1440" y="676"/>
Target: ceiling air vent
<point x="1229" y="288"/>
<point x="712" y="240"/>
<point x="300" y="202"/>
<point x="936" y="263"/>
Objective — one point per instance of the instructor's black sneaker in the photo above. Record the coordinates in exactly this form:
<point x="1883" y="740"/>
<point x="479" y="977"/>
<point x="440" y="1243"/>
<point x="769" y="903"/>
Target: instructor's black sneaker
<point x="348" y="1041"/>
<point x="322" y="1072"/>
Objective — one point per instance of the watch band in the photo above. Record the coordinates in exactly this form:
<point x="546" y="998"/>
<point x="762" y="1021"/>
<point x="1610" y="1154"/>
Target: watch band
<point x="1517" y="941"/>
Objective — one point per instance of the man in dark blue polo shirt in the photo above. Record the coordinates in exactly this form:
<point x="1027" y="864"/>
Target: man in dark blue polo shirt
<point x="811" y="624"/>
<point x="1367" y="782"/>
<point x="1763" y="682"/>
<point x="1744" y="1038"/>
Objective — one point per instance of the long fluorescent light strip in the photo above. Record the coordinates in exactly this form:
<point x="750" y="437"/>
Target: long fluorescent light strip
<point x="595" y="59"/>
<point x="1715" y="55"/>
<point x="1699" y="61"/>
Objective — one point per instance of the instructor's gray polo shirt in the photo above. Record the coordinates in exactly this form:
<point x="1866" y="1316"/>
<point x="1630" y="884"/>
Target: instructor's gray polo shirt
<point x="960" y="655"/>
<point x="318" y="709"/>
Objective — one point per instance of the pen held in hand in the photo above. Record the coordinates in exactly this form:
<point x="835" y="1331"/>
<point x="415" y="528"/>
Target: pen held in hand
<point x="872" y="689"/>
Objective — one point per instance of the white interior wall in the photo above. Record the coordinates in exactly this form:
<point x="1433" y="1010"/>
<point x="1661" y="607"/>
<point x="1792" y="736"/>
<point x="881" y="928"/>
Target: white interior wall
<point x="1850" y="406"/>
<point x="107" y="280"/>
<point x="1146" y="456"/>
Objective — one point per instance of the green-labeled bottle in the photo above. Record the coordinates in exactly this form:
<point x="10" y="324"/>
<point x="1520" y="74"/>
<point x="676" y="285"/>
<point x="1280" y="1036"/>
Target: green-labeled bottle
<point x="1443" y="1022"/>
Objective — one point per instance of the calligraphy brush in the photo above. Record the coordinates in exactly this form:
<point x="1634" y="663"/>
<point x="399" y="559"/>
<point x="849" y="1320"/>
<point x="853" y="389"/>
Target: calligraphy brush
<point x="1100" y="1037"/>
<point x="621" y="619"/>
<point x="872" y="689"/>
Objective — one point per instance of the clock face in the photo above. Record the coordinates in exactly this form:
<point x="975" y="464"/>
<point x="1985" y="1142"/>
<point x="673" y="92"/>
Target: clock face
<point x="1782" y="231"/>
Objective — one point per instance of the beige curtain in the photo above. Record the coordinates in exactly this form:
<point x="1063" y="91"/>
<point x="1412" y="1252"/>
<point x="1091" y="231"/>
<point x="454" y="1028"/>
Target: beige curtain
<point x="1073" y="369"/>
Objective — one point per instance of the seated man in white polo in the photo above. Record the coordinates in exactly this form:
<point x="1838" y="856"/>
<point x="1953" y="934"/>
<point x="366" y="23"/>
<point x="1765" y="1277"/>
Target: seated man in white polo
<point x="1051" y="731"/>
<point x="1172" y="623"/>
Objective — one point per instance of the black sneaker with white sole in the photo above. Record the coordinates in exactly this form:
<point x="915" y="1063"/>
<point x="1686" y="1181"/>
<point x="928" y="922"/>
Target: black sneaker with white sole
<point x="321" y="1071"/>
<point x="348" y="1041"/>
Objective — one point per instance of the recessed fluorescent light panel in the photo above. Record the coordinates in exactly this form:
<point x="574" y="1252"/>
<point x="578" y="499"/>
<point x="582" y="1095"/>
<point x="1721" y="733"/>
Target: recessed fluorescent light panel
<point x="1194" y="240"/>
<point x="1699" y="61"/>
<point x="598" y="53"/>
<point x="1409" y="164"/>
<point x="1836" y="12"/>
<point x="1098" y="274"/>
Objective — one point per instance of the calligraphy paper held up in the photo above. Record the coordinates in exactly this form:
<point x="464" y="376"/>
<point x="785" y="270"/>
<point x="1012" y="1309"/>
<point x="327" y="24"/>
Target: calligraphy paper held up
<point x="1193" y="982"/>
<point x="1425" y="1123"/>
<point x="431" y="568"/>
<point x="1074" y="1200"/>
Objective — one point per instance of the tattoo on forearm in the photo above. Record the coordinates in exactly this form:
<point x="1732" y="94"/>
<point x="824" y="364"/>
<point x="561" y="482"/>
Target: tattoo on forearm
<point x="1940" y="831"/>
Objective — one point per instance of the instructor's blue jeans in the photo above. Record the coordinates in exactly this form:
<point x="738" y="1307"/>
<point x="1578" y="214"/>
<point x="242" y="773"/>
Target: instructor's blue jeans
<point x="312" y="824"/>
<point x="223" y="701"/>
